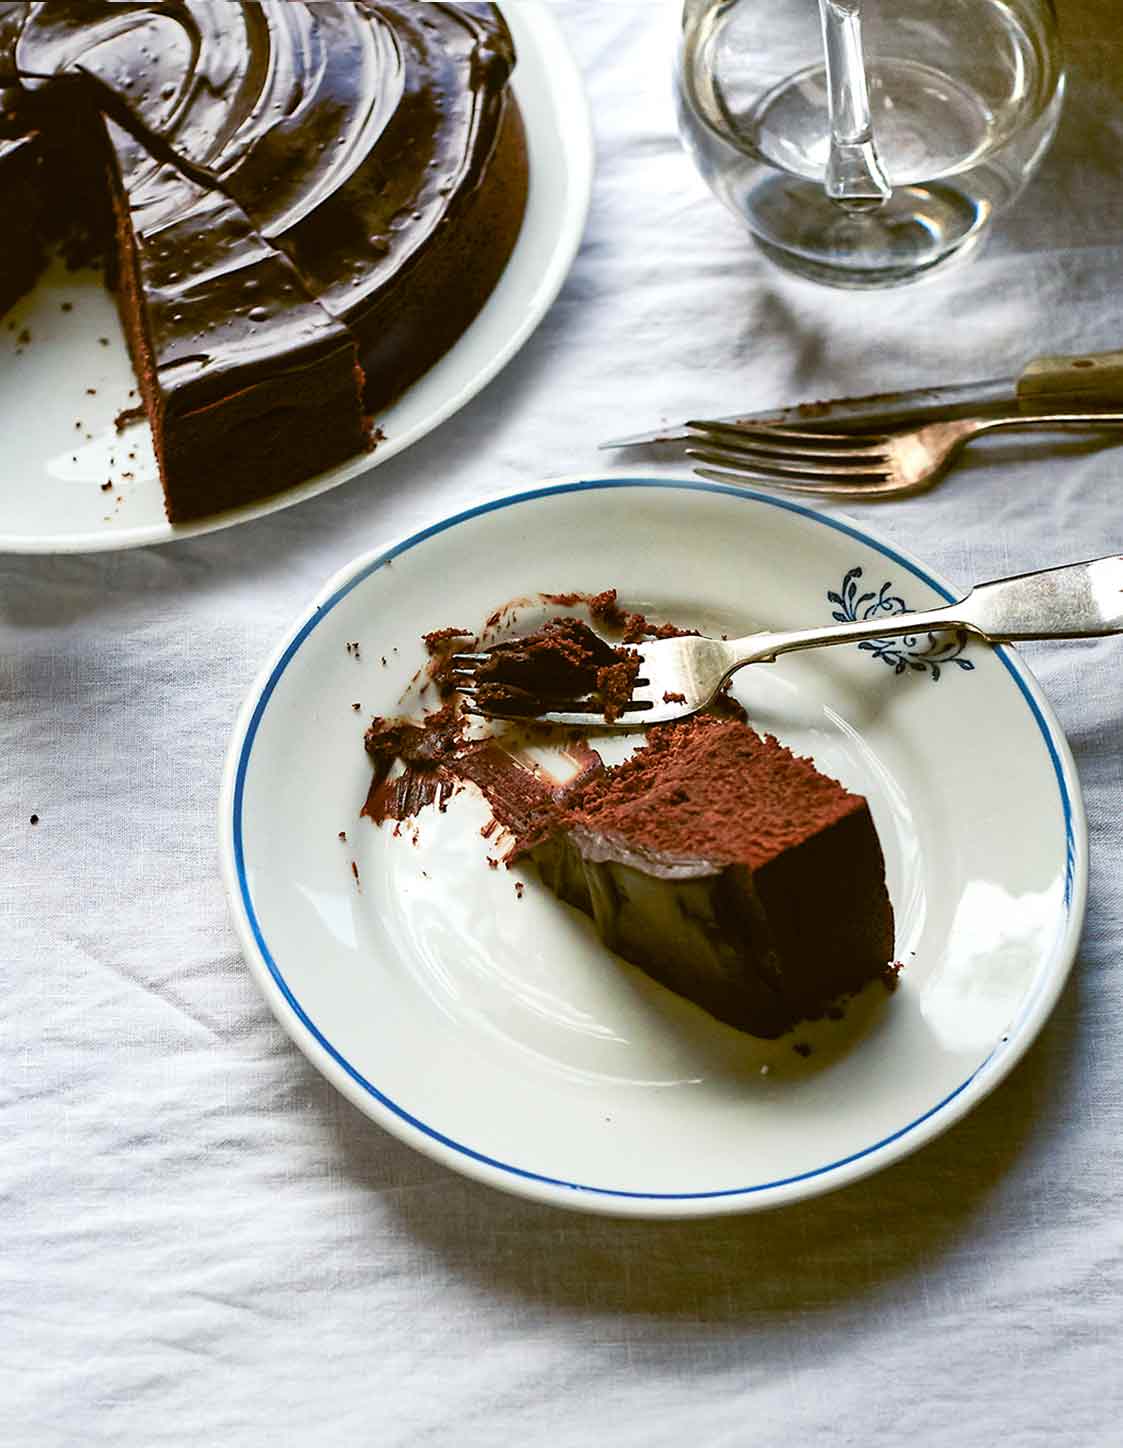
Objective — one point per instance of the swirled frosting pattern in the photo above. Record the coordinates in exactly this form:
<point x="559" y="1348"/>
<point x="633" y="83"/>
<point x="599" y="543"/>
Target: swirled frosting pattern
<point x="291" y="180"/>
<point x="347" y="132"/>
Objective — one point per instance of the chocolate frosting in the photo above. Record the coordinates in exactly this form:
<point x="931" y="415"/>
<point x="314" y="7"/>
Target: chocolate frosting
<point x="345" y="135"/>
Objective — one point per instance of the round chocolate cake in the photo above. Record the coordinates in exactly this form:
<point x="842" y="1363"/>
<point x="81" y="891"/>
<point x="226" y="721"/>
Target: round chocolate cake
<point x="301" y="205"/>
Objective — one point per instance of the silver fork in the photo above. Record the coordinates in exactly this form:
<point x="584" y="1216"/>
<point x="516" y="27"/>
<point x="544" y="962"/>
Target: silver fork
<point x="853" y="465"/>
<point x="679" y="676"/>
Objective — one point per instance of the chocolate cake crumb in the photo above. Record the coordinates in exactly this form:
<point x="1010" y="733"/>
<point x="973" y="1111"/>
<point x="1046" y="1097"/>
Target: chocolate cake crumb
<point x="24" y="337"/>
<point x="91" y="391"/>
<point x="104" y="341"/>
<point x="801" y="1048"/>
<point x="439" y="636"/>
<point x="727" y="706"/>
<point x="441" y="644"/>
<point x="66" y="306"/>
<point x="519" y="889"/>
<point x="34" y="819"/>
<point x="615" y="685"/>
<point x="355" y="871"/>
<point x="669" y="698"/>
<point x="105" y="487"/>
<point x="343" y="834"/>
<point x="554" y="668"/>
<point x="127" y="415"/>
<point x="382" y="660"/>
<point x="492" y="863"/>
<point x="356" y="707"/>
<point x="604" y="608"/>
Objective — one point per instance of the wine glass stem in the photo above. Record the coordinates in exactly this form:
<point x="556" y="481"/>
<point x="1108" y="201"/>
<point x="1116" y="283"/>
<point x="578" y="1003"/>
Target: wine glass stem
<point x="854" y="178"/>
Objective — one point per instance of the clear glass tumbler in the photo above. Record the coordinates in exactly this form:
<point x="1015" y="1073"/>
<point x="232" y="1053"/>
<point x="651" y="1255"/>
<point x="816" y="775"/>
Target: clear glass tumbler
<point x="962" y="98"/>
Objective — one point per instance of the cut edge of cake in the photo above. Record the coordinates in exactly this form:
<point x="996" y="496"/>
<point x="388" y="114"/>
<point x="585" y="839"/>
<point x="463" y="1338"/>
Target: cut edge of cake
<point x="762" y="930"/>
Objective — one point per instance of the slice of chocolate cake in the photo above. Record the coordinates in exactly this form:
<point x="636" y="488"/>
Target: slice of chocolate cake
<point x="727" y="867"/>
<point x="248" y="383"/>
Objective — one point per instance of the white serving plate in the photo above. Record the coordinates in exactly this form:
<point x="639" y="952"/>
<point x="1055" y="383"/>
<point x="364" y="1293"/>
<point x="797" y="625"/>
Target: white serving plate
<point x="496" y="1033"/>
<point x="51" y="499"/>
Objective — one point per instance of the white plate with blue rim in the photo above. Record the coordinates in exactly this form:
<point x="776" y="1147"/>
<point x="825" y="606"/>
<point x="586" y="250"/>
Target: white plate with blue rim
<point x="74" y="484"/>
<point x="487" y="1026"/>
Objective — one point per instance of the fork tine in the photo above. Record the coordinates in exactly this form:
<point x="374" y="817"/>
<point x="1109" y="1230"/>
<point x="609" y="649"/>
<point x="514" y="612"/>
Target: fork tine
<point x="789" y="442"/>
<point x="582" y="712"/>
<point x="855" y="488"/>
<point x="468" y="659"/>
<point x="784" y="468"/>
<point x="771" y="451"/>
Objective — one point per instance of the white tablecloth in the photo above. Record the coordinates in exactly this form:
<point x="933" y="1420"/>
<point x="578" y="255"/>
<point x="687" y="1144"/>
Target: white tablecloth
<point x="202" y="1243"/>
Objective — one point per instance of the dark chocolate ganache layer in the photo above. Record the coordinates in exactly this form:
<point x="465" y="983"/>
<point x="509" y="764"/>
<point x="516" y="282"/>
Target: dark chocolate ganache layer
<point x="339" y="179"/>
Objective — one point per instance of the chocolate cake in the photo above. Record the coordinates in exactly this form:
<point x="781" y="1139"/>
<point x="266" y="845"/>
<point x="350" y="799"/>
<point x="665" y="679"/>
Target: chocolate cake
<point x="562" y="666"/>
<point x="21" y="163"/>
<point x="301" y="205"/>
<point x="727" y="867"/>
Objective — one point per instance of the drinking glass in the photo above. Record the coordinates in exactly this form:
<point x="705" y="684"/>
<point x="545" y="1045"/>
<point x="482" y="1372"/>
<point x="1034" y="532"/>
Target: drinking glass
<point x="959" y="100"/>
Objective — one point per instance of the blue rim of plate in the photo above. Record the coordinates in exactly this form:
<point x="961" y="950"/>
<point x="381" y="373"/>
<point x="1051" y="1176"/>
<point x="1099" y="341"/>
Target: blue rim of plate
<point x="1012" y="664"/>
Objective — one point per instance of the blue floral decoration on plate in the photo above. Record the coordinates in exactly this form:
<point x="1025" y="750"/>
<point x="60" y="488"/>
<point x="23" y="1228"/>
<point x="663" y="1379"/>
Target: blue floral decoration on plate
<point x="922" y="653"/>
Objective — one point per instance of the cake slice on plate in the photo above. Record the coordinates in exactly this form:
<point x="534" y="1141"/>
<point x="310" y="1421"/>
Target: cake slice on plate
<point x="249" y="384"/>
<point x="729" y="868"/>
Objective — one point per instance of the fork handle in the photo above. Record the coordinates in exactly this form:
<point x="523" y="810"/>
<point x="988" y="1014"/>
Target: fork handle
<point x="1079" y="600"/>
<point x="1094" y="377"/>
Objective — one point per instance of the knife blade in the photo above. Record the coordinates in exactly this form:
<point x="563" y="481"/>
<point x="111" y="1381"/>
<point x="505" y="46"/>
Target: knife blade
<point x="879" y="409"/>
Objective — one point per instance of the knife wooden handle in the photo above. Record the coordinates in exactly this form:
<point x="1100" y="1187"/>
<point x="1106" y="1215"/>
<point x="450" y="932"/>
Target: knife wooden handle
<point x="1094" y="378"/>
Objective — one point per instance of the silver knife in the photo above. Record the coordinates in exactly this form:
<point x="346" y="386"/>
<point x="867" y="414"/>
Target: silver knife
<point x="1096" y="376"/>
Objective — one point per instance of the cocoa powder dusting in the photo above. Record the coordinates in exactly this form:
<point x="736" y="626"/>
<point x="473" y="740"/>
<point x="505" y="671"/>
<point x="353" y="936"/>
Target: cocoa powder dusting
<point x="662" y="798"/>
